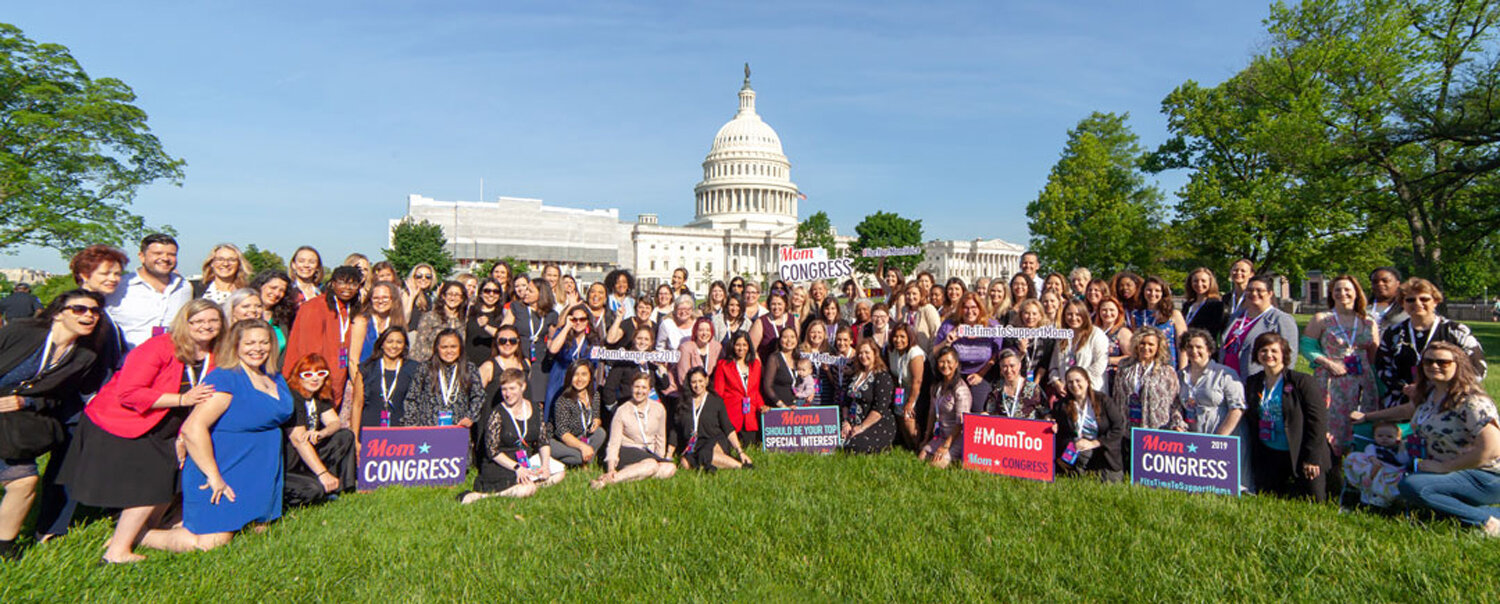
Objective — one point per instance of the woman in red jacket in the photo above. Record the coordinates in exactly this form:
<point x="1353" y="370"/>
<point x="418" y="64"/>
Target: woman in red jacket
<point x="737" y="381"/>
<point x="322" y="326"/>
<point x="126" y="454"/>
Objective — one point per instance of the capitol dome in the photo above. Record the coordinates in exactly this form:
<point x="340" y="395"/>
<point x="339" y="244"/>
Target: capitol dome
<point x="747" y="180"/>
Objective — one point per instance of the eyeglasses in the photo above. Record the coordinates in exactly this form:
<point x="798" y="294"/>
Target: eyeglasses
<point x="1435" y="362"/>
<point x="224" y="261"/>
<point x="1422" y="299"/>
<point x="309" y="375"/>
<point x="84" y="309"/>
<point x="425" y="277"/>
<point x="508" y="341"/>
<point x="578" y="319"/>
<point x="205" y="322"/>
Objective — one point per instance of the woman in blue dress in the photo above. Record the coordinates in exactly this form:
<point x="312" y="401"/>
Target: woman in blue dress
<point x="570" y="342"/>
<point x="234" y="444"/>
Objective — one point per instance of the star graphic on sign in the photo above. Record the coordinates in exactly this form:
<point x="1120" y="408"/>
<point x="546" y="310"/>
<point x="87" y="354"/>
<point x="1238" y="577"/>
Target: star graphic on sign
<point x="1191" y="449"/>
<point x="424" y="448"/>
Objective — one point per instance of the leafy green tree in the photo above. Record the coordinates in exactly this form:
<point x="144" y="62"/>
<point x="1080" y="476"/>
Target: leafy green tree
<point x="1096" y="209"/>
<point x="261" y="260"/>
<point x="54" y="285"/>
<point x="817" y="231"/>
<point x="73" y="151"/>
<point x="413" y="243"/>
<point x="886" y="229"/>
<point x="1400" y="100"/>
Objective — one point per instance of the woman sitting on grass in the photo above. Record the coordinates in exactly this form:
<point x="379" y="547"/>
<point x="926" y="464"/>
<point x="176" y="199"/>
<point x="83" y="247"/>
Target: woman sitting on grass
<point x="638" y="438"/>
<point x="704" y="428"/>
<point x="518" y="456"/>
<point x="1089" y="430"/>
<point x="1458" y="470"/>
<point x="319" y="449"/>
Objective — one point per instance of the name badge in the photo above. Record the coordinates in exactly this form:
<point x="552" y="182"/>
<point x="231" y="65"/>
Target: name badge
<point x="692" y="442"/>
<point x="745" y="406"/>
<point x="1136" y="413"/>
<point x="1070" y="454"/>
<point x="385" y="418"/>
<point x="1267" y="430"/>
<point x="1190" y="413"/>
<point x="158" y="330"/>
<point x="445" y="418"/>
<point x="522" y="459"/>
<point x="900" y="398"/>
<point x="343" y="358"/>
<point x="1354" y="365"/>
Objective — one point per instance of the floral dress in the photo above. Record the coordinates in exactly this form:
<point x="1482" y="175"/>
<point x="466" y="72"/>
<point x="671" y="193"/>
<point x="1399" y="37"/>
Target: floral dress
<point x="1355" y="390"/>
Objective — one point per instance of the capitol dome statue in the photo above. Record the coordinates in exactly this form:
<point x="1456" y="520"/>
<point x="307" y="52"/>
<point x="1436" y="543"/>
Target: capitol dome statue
<point x="747" y="180"/>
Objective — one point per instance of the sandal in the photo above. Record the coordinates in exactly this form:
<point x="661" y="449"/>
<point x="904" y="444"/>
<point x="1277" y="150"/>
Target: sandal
<point x="464" y="495"/>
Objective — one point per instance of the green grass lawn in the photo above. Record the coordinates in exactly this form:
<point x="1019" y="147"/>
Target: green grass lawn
<point x="883" y="527"/>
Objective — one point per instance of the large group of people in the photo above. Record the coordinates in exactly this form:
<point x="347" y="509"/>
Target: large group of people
<point x="196" y="409"/>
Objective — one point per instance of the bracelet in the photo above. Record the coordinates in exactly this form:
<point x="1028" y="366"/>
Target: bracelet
<point x="322" y="473"/>
<point x="179" y="400"/>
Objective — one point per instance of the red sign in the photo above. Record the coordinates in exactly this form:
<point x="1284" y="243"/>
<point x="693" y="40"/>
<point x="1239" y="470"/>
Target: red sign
<point x="1022" y="448"/>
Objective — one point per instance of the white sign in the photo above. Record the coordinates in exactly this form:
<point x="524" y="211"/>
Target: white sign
<point x="812" y="264"/>
<point x="883" y="252"/>
<point x="599" y="353"/>
<point x="1039" y="333"/>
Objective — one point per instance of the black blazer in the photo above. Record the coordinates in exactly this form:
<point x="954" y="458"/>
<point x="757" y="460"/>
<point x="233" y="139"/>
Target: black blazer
<point x="1210" y="317"/>
<point x="1111" y="434"/>
<point x="55" y="390"/>
<point x="1305" y="410"/>
<point x="713" y="421"/>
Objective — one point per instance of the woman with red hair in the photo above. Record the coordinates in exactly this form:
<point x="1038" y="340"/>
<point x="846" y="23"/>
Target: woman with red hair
<point x="320" y="450"/>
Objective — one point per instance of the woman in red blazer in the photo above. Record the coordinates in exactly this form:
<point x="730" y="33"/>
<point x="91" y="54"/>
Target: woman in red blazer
<point x="126" y="454"/>
<point x="737" y="381"/>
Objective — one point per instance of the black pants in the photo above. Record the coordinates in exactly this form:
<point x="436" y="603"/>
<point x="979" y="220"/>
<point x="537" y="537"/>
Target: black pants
<point x="301" y="485"/>
<point x="1274" y="474"/>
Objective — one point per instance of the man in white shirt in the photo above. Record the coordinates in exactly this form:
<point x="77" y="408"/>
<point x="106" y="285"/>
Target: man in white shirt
<point x="1031" y="264"/>
<point x="145" y="304"/>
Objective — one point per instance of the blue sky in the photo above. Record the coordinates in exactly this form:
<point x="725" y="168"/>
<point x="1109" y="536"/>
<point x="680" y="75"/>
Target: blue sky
<point x="312" y="122"/>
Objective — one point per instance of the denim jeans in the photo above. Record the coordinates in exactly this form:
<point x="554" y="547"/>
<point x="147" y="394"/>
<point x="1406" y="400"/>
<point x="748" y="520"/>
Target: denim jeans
<point x="1464" y="494"/>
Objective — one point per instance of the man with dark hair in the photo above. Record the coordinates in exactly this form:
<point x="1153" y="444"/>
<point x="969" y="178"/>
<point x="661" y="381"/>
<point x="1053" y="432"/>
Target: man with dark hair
<point x="1031" y="266"/>
<point x="144" y="305"/>
<point x="20" y="303"/>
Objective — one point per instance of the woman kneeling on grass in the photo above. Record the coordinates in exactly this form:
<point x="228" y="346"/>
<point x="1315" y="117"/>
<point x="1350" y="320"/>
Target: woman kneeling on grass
<point x="1458" y="471"/>
<point x="703" y="424"/>
<point x="234" y="476"/>
<point x="1089" y="430"/>
<point x="638" y="438"/>
<point x="950" y="400"/>
<point x="518" y="456"/>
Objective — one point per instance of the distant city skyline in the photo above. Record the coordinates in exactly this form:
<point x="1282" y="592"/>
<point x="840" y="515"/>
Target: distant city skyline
<point x="312" y="124"/>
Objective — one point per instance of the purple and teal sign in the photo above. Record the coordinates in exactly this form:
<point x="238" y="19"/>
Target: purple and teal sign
<point x="414" y="457"/>
<point x="1185" y="461"/>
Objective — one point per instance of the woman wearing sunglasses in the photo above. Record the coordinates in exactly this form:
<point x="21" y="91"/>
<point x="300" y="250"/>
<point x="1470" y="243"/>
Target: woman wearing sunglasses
<point x="417" y="294"/>
<point x="569" y="342"/>
<point x="486" y="314"/>
<point x="1456" y="469"/>
<point x="40" y="368"/>
<point x="319" y="449"/>
<point x="127" y="454"/>
<point x="1404" y="343"/>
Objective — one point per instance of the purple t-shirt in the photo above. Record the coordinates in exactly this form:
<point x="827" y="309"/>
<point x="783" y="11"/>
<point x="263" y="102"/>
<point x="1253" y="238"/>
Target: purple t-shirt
<point x="973" y="353"/>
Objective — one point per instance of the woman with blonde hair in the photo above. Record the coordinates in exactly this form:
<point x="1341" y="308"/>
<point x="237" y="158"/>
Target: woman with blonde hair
<point x="225" y="270"/>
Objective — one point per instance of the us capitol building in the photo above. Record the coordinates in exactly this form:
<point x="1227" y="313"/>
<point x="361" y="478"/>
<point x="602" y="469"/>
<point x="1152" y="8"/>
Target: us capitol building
<point x="745" y="210"/>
